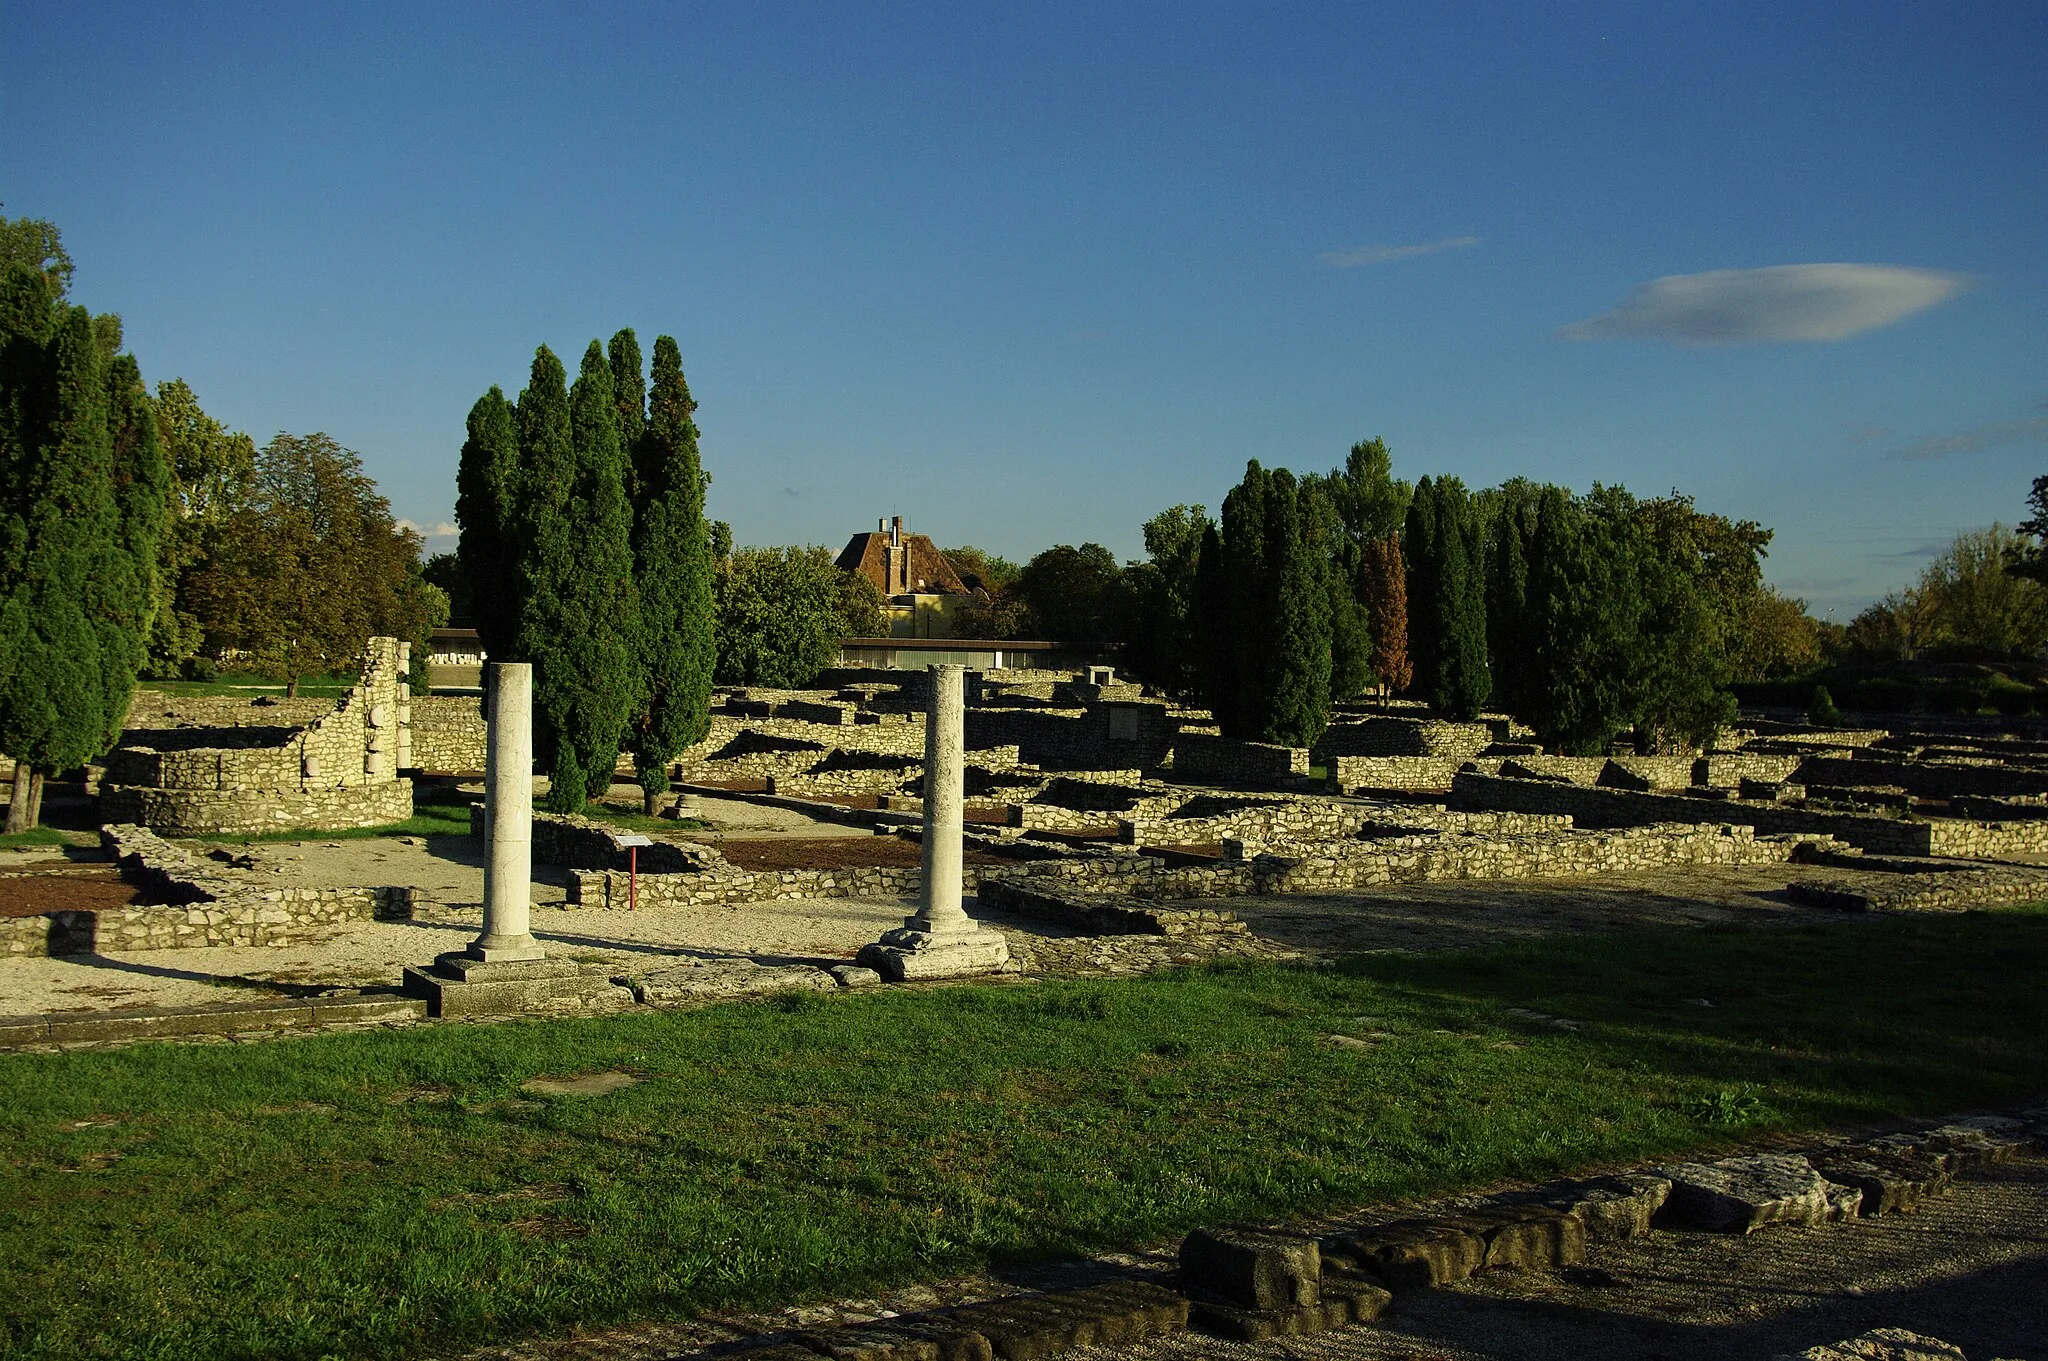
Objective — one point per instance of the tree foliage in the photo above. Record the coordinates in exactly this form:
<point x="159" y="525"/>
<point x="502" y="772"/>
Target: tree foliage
<point x="1447" y="597"/>
<point x="781" y="614"/>
<point x="84" y="495"/>
<point x="1980" y="599"/>
<point x="1263" y="609"/>
<point x="1383" y="593"/>
<point x="309" y="565"/>
<point x="672" y="557"/>
<point x="1073" y="593"/>
<point x="1165" y="644"/>
<point x="212" y="469"/>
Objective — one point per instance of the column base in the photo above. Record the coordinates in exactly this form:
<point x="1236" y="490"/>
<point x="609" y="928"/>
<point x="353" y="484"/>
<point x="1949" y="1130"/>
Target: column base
<point x="502" y="949"/>
<point x="909" y="954"/>
<point x="460" y="984"/>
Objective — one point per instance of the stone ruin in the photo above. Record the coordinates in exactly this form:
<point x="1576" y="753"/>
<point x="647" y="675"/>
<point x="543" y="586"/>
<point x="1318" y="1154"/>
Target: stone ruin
<point x="337" y="770"/>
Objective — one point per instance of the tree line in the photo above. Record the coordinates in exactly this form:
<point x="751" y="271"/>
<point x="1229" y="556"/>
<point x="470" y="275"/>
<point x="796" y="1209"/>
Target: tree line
<point x="138" y="536"/>
<point x="1596" y="617"/>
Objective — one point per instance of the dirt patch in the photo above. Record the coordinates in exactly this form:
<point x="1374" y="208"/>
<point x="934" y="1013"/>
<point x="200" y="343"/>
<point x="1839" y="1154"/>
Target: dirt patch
<point x="734" y="786"/>
<point x="835" y="853"/>
<point x="68" y="888"/>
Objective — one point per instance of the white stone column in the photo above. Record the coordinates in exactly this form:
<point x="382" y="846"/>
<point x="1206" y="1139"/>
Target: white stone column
<point x="941" y="940"/>
<point x="508" y="819"/>
<point x="945" y="793"/>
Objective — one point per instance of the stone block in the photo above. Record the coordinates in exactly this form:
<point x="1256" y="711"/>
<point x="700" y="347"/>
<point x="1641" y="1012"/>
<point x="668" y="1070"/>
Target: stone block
<point x="853" y="976"/>
<point x="1525" y="1237"/>
<point x="1881" y="1344"/>
<point x="1890" y="1182"/>
<point x="1744" y="1194"/>
<point x="1251" y="1268"/>
<point x="1612" y="1207"/>
<point x="1036" y="1327"/>
<point x="1414" y="1254"/>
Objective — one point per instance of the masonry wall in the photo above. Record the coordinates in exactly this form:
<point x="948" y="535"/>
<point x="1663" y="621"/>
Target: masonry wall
<point x="1229" y="761"/>
<point x="449" y="735"/>
<point x="1593" y="807"/>
<point x="1097" y="737"/>
<point x="1404" y="737"/>
<point x="202" y="812"/>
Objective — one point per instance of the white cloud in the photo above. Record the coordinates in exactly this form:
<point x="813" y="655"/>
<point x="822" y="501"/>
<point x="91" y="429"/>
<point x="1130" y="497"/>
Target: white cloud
<point x="1783" y="302"/>
<point x="1380" y="255"/>
<point x="1975" y="440"/>
<point x="440" y="530"/>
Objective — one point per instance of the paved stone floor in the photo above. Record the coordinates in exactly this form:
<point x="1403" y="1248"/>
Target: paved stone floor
<point x="1970" y="1267"/>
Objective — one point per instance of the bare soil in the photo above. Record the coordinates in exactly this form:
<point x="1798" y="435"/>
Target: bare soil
<point x="59" y="886"/>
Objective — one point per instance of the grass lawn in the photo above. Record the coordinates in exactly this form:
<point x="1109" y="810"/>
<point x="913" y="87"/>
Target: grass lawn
<point x="376" y="1193"/>
<point x="248" y="685"/>
<point x="428" y="819"/>
<point x="630" y="820"/>
<point x="44" y="836"/>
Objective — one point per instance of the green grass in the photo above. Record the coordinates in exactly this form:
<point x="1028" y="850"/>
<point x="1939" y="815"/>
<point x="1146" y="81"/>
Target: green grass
<point x="382" y="1193"/>
<point x="428" y="819"/>
<point x="628" y="820"/>
<point x="44" y="836"/>
<point x="249" y="685"/>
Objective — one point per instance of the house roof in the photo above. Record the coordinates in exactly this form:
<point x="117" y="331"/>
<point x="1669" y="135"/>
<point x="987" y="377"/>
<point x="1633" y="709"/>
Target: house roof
<point x="927" y="570"/>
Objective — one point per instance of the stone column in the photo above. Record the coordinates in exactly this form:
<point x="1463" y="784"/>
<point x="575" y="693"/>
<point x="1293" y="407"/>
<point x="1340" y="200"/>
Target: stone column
<point x="405" y="706"/>
<point x="508" y="819"/>
<point x="945" y="793"/>
<point x="941" y="940"/>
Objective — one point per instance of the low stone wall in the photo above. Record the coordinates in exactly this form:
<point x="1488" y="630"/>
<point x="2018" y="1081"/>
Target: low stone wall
<point x="1952" y="891"/>
<point x="202" y="812"/>
<point x="1590" y="807"/>
<point x="1229" y="761"/>
<point x="1098" y="915"/>
<point x="449" y="735"/>
<point x="157" y="709"/>
<point x="1095" y="737"/>
<point x="1352" y="773"/>
<point x="207" y="909"/>
<point x="1928" y="779"/>
<point x="1727" y="770"/>
<point x="586" y="843"/>
<point x="1337" y="866"/>
<point x="1404" y="737"/>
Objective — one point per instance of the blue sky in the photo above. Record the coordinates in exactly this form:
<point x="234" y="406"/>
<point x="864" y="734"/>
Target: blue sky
<point x="1028" y="273"/>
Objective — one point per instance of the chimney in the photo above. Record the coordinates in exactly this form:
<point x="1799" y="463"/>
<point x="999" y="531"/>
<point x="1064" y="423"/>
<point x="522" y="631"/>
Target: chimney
<point x="896" y="530"/>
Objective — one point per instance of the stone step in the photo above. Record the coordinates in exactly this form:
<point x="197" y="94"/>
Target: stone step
<point x="225" y="1019"/>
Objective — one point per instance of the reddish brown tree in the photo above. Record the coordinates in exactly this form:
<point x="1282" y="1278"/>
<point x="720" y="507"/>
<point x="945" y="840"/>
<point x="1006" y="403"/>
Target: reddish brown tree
<point x="1383" y="588"/>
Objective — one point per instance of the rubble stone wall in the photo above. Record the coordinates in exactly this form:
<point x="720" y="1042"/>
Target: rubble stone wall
<point x="1404" y="737"/>
<point x="1348" y="773"/>
<point x="1929" y="779"/>
<point x="1230" y="761"/>
<point x="449" y="735"/>
<point x="207" y="812"/>
<point x="1590" y="807"/>
<point x="1095" y="737"/>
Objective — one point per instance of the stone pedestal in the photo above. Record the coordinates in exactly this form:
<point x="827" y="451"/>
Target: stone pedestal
<point x="941" y="940"/>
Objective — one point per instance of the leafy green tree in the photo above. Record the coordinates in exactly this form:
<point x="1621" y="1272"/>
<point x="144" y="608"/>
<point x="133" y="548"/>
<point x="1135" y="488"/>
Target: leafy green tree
<point x="310" y="565"/>
<point x="1580" y="691"/>
<point x="38" y="245"/>
<point x="629" y="396"/>
<point x="672" y="555"/>
<point x="978" y="568"/>
<point x="1370" y="500"/>
<point x="83" y="503"/>
<point x="781" y="614"/>
<point x="1165" y="647"/>
<point x="212" y="469"/>
<point x="1073" y="593"/>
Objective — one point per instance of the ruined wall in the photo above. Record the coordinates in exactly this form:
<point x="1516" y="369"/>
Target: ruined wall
<point x="1404" y="737"/>
<point x="1929" y="779"/>
<point x="1097" y="737"/>
<point x="339" y="770"/>
<point x="1351" y="773"/>
<point x="1594" y="807"/>
<point x="1229" y="761"/>
<point x="449" y="735"/>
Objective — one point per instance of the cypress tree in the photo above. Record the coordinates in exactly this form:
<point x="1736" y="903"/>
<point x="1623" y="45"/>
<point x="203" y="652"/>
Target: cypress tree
<point x="672" y="554"/>
<point x="1507" y="604"/>
<point x="1216" y="665"/>
<point x="1248" y="596"/>
<point x="1383" y="587"/>
<point x="1462" y="680"/>
<point x="1419" y="555"/>
<point x="72" y="619"/>
<point x="629" y="396"/>
<point x="142" y="506"/>
<point x="488" y="498"/>
<point x="1293" y="705"/>
<point x="603" y="610"/>
<point x="551" y="622"/>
